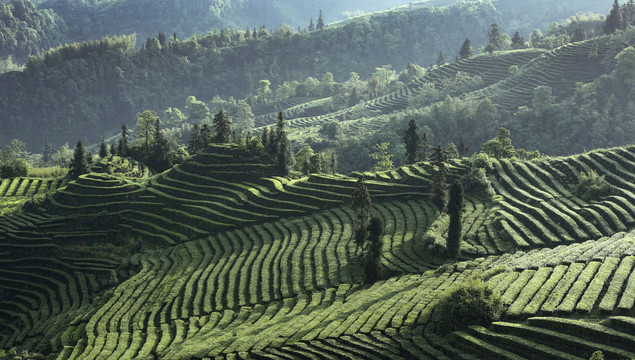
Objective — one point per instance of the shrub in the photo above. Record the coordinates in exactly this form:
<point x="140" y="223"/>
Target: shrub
<point x="470" y="303"/>
<point x="598" y="355"/>
<point x="591" y="186"/>
<point x="16" y="168"/>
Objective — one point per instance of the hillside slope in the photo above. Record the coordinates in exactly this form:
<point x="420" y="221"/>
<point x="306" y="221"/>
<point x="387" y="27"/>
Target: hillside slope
<point x="265" y="267"/>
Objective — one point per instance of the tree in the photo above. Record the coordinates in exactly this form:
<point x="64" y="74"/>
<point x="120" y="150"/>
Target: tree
<point x="173" y="116"/>
<point x="361" y="202"/>
<point x="284" y="156"/>
<point x="78" y="165"/>
<point x="161" y="155"/>
<point x="311" y="26"/>
<point x="264" y="92"/>
<point x="441" y="59"/>
<point x="579" y="34"/>
<point x="439" y="186"/>
<point x="614" y="19"/>
<point x="145" y="130"/>
<point x="303" y="160"/>
<point x="193" y="144"/>
<point x="413" y="143"/>
<point x="223" y="127"/>
<point x="501" y="146"/>
<point x="518" y="42"/>
<point x="372" y="265"/>
<point x="466" y="49"/>
<point x="424" y="147"/>
<point x="455" y="206"/>
<point x="593" y="52"/>
<point x="383" y="158"/>
<point x="103" y="149"/>
<point x="196" y="111"/>
<point x="320" y="22"/>
<point x="47" y="151"/>
<point x="494" y="43"/>
<point x="123" y="149"/>
<point x="463" y="148"/>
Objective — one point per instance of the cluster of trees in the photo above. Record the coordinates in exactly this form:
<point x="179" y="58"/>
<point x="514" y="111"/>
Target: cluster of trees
<point x="368" y="233"/>
<point x="26" y="30"/>
<point x="91" y="94"/>
<point x="620" y="17"/>
<point x="14" y="160"/>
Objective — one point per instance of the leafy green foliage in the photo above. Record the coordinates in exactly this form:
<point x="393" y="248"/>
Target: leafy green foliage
<point x="382" y="157"/>
<point x="471" y="303"/>
<point x="591" y="186"/>
<point x="455" y="207"/>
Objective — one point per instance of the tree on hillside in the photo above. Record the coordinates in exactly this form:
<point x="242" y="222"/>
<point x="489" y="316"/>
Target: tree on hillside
<point x="372" y="265"/>
<point x="439" y="186"/>
<point x="161" y="156"/>
<point x="466" y="49"/>
<point x="193" y="144"/>
<point x="424" y="147"/>
<point x="455" y="206"/>
<point x="47" y="151"/>
<point x="320" y="22"/>
<point x="123" y="149"/>
<point x="463" y="148"/>
<point x="223" y="127"/>
<point x="441" y="59"/>
<point x="311" y="26"/>
<point x="494" y="39"/>
<point x="78" y="165"/>
<point x="501" y="146"/>
<point x="383" y="158"/>
<point x="284" y="156"/>
<point x="145" y="130"/>
<point x="413" y="143"/>
<point x="518" y="42"/>
<point x="579" y="34"/>
<point x="103" y="149"/>
<point x="614" y="19"/>
<point x="361" y="203"/>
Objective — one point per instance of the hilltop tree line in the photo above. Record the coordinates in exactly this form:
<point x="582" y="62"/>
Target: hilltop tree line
<point x="97" y="91"/>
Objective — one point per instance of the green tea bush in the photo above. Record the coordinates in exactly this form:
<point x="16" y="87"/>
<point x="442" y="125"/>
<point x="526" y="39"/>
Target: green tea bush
<point x="591" y="186"/>
<point x="471" y="303"/>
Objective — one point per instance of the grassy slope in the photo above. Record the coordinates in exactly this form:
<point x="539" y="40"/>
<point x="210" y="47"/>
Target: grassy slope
<point x="264" y="267"/>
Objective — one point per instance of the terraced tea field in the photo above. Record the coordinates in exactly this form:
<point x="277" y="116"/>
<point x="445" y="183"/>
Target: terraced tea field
<point x="220" y="258"/>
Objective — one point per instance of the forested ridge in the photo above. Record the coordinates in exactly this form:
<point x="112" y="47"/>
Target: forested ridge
<point x="88" y="94"/>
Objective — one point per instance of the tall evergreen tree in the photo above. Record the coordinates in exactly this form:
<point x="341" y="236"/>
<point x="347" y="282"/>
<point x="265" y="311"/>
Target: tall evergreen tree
<point x="223" y="127"/>
<point x="372" y="265"/>
<point x="439" y="186"/>
<point x="441" y="59"/>
<point x="413" y="143"/>
<point x="265" y="137"/>
<point x="192" y="145"/>
<point x="205" y="136"/>
<point x="614" y="19"/>
<point x="320" y="22"/>
<point x="78" y="165"/>
<point x="494" y="42"/>
<point x="466" y="49"/>
<point x="161" y="157"/>
<point x="463" y="148"/>
<point x="123" y="149"/>
<point x="280" y="147"/>
<point x="361" y="203"/>
<point x="103" y="149"/>
<point x="311" y="26"/>
<point x="455" y="206"/>
<point x="47" y="151"/>
<point x="424" y="147"/>
<point x="518" y="42"/>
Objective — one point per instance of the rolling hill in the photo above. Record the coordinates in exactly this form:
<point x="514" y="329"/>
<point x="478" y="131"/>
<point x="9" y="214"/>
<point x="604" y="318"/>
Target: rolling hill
<point x="195" y="263"/>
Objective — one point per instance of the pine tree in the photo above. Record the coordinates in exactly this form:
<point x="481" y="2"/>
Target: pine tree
<point x="439" y="186"/>
<point x="78" y="165"/>
<point x="518" y="42"/>
<point x="320" y="22"/>
<point x="361" y="202"/>
<point x="311" y="26"/>
<point x="579" y="34"/>
<point x="222" y="127"/>
<point x="162" y="39"/>
<point x="441" y="59"/>
<point x="413" y="143"/>
<point x="372" y="265"/>
<point x="466" y="49"/>
<point x="192" y="145"/>
<point x="455" y="206"/>
<point x="494" y="42"/>
<point x="282" y="147"/>
<point x="265" y="137"/>
<point x="123" y="149"/>
<point x="614" y="19"/>
<point x="47" y="151"/>
<point x="205" y="136"/>
<point x="424" y="147"/>
<point x="463" y="148"/>
<point x="103" y="149"/>
<point x="161" y="155"/>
